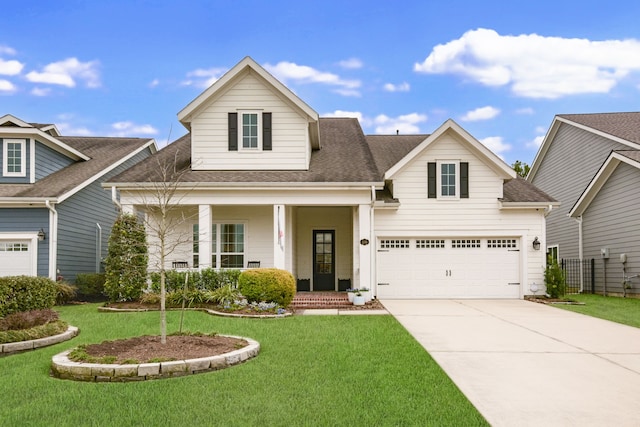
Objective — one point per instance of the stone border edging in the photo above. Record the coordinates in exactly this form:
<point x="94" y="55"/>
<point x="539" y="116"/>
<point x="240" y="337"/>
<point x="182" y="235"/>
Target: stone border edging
<point x="206" y="310"/>
<point x="63" y="368"/>
<point x="19" y="346"/>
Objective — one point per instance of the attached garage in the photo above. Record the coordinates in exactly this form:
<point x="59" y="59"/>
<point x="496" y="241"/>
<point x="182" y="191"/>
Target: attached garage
<point x="16" y="258"/>
<point x="467" y="267"/>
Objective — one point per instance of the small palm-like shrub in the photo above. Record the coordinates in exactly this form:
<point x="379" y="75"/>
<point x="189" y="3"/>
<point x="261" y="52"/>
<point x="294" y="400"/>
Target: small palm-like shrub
<point x="26" y="293"/>
<point x="267" y="284"/>
<point x="66" y="293"/>
<point x="554" y="280"/>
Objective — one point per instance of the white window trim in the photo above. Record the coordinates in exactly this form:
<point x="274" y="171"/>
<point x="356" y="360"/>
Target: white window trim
<point x="215" y="245"/>
<point x="23" y="158"/>
<point x="439" y="164"/>
<point x="557" y="248"/>
<point x="241" y="146"/>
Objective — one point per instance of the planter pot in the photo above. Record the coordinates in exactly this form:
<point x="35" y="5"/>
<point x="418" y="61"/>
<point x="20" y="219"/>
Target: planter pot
<point x="350" y="295"/>
<point x="366" y="295"/>
<point x="358" y="300"/>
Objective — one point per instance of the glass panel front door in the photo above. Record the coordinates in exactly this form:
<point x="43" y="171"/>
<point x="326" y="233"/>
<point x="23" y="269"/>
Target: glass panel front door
<point x="324" y="276"/>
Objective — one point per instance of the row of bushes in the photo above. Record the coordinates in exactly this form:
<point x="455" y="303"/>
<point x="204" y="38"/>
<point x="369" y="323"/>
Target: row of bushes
<point x="206" y="279"/>
<point x="26" y="293"/>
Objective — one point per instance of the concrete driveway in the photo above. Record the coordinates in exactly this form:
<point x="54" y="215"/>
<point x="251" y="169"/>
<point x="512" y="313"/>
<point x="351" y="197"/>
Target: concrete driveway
<point x="526" y="364"/>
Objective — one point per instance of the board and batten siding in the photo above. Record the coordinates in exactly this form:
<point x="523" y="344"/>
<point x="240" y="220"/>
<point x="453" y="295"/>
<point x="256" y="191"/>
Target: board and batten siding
<point x="77" y="229"/>
<point x="572" y="160"/>
<point x="478" y="216"/>
<point x="612" y="221"/>
<point x="15" y="220"/>
<point x="48" y="161"/>
<point x="209" y="131"/>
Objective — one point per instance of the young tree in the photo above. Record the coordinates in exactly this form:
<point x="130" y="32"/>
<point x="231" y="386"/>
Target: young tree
<point x="127" y="260"/>
<point x="521" y="168"/>
<point x="165" y="219"/>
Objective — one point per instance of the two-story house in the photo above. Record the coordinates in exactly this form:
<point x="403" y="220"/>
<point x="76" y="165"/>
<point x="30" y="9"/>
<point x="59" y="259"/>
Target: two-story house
<point x="55" y="218"/>
<point x="591" y="164"/>
<point x="267" y="181"/>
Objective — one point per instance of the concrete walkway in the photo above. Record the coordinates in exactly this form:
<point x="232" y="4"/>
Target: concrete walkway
<point x="526" y="364"/>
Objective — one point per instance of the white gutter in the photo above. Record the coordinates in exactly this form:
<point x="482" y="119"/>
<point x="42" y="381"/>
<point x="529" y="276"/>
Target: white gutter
<point x="53" y="239"/>
<point x="114" y="198"/>
<point x="549" y="209"/>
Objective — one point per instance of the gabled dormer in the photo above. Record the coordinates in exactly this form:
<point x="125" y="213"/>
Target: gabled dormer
<point x="31" y="151"/>
<point x="248" y="120"/>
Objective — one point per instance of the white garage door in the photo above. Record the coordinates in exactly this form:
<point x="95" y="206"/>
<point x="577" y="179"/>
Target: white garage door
<point x="448" y="268"/>
<point x="15" y="258"/>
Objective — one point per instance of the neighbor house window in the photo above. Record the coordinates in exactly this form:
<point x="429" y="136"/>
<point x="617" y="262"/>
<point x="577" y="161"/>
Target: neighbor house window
<point x="552" y="255"/>
<point x="14" y="155"/>
<point x="228" y="242"/>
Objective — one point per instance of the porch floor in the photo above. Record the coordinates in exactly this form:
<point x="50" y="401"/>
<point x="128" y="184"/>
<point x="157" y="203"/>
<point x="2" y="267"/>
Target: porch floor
<point x="304" y="300"/>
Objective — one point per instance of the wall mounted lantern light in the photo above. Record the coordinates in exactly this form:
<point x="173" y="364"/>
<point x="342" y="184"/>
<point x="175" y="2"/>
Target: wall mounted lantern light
<point x="536" y="244"/>
<point x="41" y="235"/>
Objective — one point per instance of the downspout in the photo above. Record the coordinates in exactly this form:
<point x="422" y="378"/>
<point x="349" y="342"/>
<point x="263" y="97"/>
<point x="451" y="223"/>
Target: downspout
<point x="372" y="252"/>
<point x="98" y="246"/>
<point x="53" y="239"/>
<point x="114" y="198"/>
<point x="580" y="252"/>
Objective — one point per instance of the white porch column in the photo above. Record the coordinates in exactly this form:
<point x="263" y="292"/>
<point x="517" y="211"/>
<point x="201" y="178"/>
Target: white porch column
<point x="204" y="236"/>
<point x="279" y="238"/>
<point x="365" y="250"/>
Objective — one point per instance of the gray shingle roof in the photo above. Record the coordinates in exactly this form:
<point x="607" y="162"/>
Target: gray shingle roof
<point x="103" y="152"/>
<point x="632" y="154"/>
<point x="344" y="157"/>
<point x="388" y="150"/>
<point x="621" y="125"/>
<point x="519" y="190"/>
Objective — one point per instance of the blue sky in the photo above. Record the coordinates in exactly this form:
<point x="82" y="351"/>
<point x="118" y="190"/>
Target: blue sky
<point x="501" y="69"/>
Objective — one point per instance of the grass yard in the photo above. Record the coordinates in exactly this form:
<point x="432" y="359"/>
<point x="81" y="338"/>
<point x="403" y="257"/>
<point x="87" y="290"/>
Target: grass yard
<point x="312" y="370"/>
<point x="616" y="309"/>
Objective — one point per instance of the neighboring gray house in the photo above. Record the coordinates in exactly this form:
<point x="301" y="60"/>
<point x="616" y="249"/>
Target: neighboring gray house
<point x="55" y="218"/>
<point x="589" y="162"/>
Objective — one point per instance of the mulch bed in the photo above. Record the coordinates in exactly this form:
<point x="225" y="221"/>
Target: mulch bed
<point x="178" y="347"/>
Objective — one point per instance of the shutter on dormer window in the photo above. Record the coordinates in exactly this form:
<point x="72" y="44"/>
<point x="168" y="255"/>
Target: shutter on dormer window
<point x="233" y="131"/>
<point x="464" y="180"/>
<point x="431" y="178"/>
<point x="266" y="131"/>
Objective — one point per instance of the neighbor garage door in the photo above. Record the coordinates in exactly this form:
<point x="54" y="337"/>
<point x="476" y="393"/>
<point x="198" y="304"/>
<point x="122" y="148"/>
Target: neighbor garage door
<point x="15" y="258"/>
<point x="448" y="268"/>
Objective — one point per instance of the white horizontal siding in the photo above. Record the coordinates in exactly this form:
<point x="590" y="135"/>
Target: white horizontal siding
<point x="209" y="131"/>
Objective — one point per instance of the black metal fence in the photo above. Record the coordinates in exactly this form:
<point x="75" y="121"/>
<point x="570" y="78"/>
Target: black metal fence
<point x="572" y="269"/>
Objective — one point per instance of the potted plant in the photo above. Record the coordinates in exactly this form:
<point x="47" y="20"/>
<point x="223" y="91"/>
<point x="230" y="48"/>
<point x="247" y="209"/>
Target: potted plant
<point x="366" y="292"/>
<point x="358" y="298"/>
<point x="350" y="294"/>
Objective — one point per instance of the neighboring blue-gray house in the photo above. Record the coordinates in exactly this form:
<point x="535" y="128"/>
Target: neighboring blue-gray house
<point x="590" y="163"/>
<point x="55" y="218"/>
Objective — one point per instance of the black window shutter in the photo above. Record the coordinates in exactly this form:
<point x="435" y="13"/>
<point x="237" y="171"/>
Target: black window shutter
<point x="464" y="180"/>
<point x="266" y="131"/>
<point x="233" y="131"/>
<point x="431" y="177"/>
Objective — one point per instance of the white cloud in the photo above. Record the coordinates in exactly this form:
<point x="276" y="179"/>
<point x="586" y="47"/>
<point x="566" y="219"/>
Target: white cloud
<point x="496" y="144"/>
<point x="6" y="86"/>
<point x="482" y="113"/>
<point x="541" y="129"/>
<point x="11" y="67"/>
<point x="351" y="63"/>
<point x="406" y="124"/>
<point x="525" y="111"/>
<point x="203" y="77"/>
<point x="154" y="83"/>
<point x="66" y="72"/>
<point x="342" y="113"/>
<point x="289" y="71"/>
<point x="7" y="50"/>
<point x="535" y="66"/>
<point x="127" y="128"/>
<point x="536" y="142"/>
<point x="69" y="129"/>
<point x="40" y="91"/>
<point x="402" y="87"/>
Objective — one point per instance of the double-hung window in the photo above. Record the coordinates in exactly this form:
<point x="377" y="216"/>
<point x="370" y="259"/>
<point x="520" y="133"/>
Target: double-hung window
<point x="448" y="180"/>
<point x="14" y="155"/>
<point x="227" y="245"/>
<point x="250" y="127"/>
<point x="250" y="131"/>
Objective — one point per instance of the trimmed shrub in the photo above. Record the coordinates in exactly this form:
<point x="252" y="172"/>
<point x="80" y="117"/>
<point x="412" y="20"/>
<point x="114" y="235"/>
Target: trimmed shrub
<point x="554" y="280"/>
<point x="267" y="284"/>
<point x="91" y="286"/>
<point x="26" y="293"/>
<point x="66" y="293"/>
<point x="207" y="279"/>
<point x="126" y="264"/>
<point x="28" y="319"/>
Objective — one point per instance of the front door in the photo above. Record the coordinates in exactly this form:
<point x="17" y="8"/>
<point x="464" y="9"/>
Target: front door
<point x="324" y="275"/>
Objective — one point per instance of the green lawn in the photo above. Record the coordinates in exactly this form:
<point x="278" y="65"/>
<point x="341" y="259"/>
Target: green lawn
<point x="616" y="309"/>
<point x="312" y="370"/>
